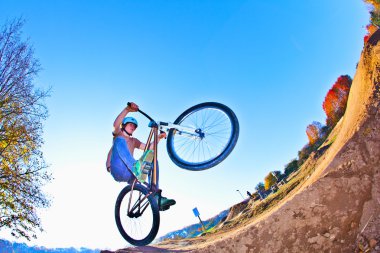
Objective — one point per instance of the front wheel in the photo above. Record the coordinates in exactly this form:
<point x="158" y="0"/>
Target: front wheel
<point x="215" y="133"/>
<point x="137" y="215"/>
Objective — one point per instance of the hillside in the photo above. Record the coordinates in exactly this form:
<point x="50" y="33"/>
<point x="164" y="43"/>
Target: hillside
<point x="336" y="206"/>
<point x="195" y="230"/>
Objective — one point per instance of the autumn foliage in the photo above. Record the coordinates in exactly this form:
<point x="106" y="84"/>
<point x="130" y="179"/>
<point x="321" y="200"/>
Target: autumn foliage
<point x="335" y="101"/>
<point x="269" y="180"/>
<point x="375" y="18"/>
<point x="371" y="29"/>
<point x="375" y="3"/>
<point x="314" y="132"/>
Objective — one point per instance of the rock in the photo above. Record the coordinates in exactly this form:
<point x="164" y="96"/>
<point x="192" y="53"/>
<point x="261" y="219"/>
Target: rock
<point x="372" y="243"/>
<point x="335" y="231"/>
<point x="316" y="240"/>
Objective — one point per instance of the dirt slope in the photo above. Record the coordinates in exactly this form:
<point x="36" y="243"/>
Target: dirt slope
<point x="338" y="208"/>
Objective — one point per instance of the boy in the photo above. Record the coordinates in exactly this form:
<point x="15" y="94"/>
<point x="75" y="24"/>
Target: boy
<point x="120" y="158"/>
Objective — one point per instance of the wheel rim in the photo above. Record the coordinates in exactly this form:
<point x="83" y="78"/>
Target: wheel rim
<point x="214" y="128"/>
<point x="137" y="224"/>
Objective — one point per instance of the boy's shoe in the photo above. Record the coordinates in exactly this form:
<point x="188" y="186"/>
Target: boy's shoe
<point x="165" y="203"/>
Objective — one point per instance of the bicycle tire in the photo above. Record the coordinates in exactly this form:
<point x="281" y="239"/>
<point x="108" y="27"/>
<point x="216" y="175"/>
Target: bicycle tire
<point x="191" y="116"/>
<point x="122" y="218"/>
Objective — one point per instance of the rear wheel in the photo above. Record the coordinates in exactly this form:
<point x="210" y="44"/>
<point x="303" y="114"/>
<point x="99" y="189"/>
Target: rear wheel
<point x="215" y="133"/>
<point x="137" y="215"/>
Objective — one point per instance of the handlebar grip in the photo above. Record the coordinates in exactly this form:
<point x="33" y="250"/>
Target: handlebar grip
<point x="129" y="104"/>
<point x="143" y="113"/>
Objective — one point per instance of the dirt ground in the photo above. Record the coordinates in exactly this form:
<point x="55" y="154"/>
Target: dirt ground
<point x="337" y="209"/>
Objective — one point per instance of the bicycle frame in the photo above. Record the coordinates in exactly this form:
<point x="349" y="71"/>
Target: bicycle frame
<point x="137" y="205"/>
<point x="165" y="126"/>
<point x="162" y="126"/>
<point x="153" y="134"/>
<point x="190" y="132"/>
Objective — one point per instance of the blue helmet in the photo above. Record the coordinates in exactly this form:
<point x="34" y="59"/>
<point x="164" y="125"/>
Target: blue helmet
<point x="127" y="120"/>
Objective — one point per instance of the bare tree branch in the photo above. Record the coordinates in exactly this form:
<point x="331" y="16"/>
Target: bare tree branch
<point x="22" y="110"/>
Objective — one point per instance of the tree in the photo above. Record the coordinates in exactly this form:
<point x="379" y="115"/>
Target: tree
<point x="371" y="29"/>
<point x="22" y="110"/>
<point x="260" y="187"/>
<point x="314" y="132"/>
<point x="304" y="153"/>
<point x="335" y="102"/>
<point x="375" y="12"/>
<point x="290" y="167"/>
<point x="269" y="180"/>
<point x="278" y="175"/>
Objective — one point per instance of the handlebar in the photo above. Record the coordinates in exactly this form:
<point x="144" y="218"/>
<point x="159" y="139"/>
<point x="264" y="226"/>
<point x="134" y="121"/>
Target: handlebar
<point x="146" y="115"/>
<point x="143" y="113"/>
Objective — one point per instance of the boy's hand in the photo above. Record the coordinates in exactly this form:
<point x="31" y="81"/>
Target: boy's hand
<point x="132" y="107"/>
<point x="162" y="135"/>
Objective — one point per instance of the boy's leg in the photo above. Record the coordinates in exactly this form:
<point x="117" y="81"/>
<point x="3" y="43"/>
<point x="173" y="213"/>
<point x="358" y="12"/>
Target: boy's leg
<point x="165" y="203"/>
<point x="121" y="161"/>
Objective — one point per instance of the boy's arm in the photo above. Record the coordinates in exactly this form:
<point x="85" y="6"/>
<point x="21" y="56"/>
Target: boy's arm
<point x="160" y="136"/>
<point x="119" y="119"/>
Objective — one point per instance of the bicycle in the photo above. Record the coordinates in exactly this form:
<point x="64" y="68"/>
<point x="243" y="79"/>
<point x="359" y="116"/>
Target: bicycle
<point x="200" y="138"/>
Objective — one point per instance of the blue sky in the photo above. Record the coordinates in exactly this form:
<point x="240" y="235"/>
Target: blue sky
<point x="272" y="62"/>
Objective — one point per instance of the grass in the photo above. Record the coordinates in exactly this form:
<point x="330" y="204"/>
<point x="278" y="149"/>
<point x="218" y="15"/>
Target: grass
<point x="258" y="208"/>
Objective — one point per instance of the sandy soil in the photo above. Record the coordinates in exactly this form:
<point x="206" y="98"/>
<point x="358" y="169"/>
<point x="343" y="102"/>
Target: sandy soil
<point x="337" y="209"/>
